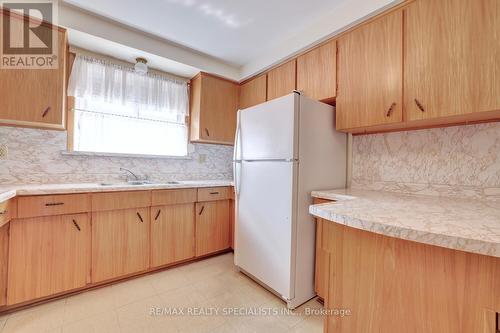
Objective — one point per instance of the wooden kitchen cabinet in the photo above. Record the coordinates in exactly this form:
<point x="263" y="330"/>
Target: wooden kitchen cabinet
<point x="452" y="52"/>
<point x="212" y="227"/>
<point x="48" y="255"/>
<point x="4" y="261"/>
<point x="281" y="80"/>
<point x="322" y="262"/>
<point x="370" y="87"/>
<point x="214" y="104"/>
<point x="120" y="243"/>
<point x="172" y="233"/>
<point x="35" y="97"/>
<point x="317" y="72"/>
<point x="253" y="92"/>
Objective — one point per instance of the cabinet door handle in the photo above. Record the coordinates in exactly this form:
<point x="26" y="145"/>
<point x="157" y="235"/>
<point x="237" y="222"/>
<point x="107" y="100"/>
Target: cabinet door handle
<point x="45" y="111"/>
<point x="54" y="204"/>
<point x="157" y="214"/>
<point x="76" y="225"/>
<point x="206" y="131"/>
<point x="214" y="192"/>
<point x="391" y="109"/>
<point x="419" y="105"/>
<point x="140" y="217"/>
<point x="201" y="211"/>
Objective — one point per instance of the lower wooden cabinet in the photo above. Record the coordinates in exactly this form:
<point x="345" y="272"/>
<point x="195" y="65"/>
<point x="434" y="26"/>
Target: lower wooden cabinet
<point x="42" y="256"/>
<point x="4" y="260"/>
<point x="120" y="243"/>
<point x="47" y="255"/>
<point x="212" y="227"/>
<point x="172" y="234"/>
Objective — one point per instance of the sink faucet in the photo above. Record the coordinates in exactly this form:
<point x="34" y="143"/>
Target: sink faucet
<point x="133" y="174"/>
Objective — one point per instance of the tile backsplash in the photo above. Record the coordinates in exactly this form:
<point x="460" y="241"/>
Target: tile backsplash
<point x="34" y="156"/>
<point x="456" y="161"/>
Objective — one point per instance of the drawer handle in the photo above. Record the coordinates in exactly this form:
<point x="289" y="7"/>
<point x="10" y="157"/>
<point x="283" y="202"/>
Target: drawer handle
<point x="214" y="192"/>
<point x="206" y="131"/>
<point x="419" y="105"/>
<point x="54" y="204"/>
<point x="76" y="225"/>
<point x="389" y="112"/>
<point x="157" y="214"/>
<point x="45" y="112"/>
<point x="201" y="211"/>
<point x="140" y="217"/>
<point x="4" y="212"/>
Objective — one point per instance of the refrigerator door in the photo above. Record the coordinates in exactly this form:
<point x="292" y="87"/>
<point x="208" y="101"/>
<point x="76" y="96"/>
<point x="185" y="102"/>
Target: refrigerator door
<point x="265" y="213"/>
<point x="268" y="131"/>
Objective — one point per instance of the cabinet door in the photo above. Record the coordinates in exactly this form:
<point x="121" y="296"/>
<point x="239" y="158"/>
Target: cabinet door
<point x="316" y="72"/>
<point x="370" y="74"/>
<point x="452" y="52"/>
<point x="214" y="104"/>
<point x="120" y="243"/>
<point x="47" y="255"/>
<point x="35" y="97"/>
<point x="281" y="80"/>
<point x="172" y="234"/>
<point x="212" y="226"/>
<point x="253" y="92"/>
<point x="4" y="260"/>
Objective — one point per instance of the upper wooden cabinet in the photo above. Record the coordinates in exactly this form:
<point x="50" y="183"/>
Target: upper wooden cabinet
<point x="35" y="97"/>
<point x="452" y="58"/>
<point x="316" y="72"/>
<point x="253" y="92"/>
<point x="281" y="80"/>
<point x="214" y="103"/>
<point x="370" y="74"/>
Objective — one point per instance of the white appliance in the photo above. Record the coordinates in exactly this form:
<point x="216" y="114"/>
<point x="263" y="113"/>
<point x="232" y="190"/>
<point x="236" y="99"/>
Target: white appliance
<point x="284" y="149"/>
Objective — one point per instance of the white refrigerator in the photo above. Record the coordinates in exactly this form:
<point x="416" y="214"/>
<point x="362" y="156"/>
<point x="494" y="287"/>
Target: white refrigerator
<point x="284" y="149"/>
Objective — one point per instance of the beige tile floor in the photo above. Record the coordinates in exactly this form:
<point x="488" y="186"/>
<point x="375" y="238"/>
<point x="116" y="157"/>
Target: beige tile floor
<point x="126" y="307"/>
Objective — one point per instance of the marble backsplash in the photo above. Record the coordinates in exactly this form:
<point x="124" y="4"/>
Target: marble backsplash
<point x="35" y="157"/>
<point x="454" y="161"/>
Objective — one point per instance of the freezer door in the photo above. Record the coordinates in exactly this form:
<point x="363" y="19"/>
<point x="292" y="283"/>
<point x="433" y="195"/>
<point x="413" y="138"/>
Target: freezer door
<point x="265" y="206"/>
<point x="267" y="131"/>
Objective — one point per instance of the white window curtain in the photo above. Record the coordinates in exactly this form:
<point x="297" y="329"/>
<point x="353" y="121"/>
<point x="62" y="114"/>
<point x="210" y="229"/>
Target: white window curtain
<point x="120" y="111"/>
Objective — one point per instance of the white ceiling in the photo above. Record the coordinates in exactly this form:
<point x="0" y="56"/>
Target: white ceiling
<point x="235" y="31"/>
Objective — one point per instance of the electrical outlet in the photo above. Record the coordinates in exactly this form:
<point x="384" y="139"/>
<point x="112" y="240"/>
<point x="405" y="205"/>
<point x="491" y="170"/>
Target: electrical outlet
<point x="202" y="158"/>
<point x="4" y="151"/>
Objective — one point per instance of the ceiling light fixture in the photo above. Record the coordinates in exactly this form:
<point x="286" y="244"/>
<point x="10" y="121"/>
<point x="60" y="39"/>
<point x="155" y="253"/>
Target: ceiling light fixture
<point x="140" y="65"/>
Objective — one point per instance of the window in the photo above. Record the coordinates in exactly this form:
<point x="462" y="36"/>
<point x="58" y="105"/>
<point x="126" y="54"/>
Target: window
<point x="120" y="111"/>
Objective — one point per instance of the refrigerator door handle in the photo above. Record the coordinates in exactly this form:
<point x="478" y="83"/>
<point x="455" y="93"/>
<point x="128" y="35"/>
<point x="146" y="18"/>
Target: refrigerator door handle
<point x="236" y="156"/>
<point x="237" y="141"/>
<point x="237" y="177"/>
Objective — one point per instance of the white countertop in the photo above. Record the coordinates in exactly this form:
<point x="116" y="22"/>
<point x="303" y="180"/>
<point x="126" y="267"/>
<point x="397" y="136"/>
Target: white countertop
<point x="459" y="224"/>
<point x="10" y="191"/>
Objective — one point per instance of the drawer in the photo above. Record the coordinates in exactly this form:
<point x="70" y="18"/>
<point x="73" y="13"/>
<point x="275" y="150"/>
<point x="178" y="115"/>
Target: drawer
<point x="214" y="193"/>
<point x="173" y="197"/>
<point x="8" y="211"/>
<point x="45" y="205"/>
<point x="120" y="200"/>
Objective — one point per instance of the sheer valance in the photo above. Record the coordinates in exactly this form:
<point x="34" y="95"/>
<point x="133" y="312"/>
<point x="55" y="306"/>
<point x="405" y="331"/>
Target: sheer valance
<point x="147" y="96"/>
<point x="120" y="111"/>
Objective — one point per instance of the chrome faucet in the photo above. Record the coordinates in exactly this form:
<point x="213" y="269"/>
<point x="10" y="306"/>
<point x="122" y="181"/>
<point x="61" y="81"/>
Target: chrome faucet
<point x="133" y="174"/>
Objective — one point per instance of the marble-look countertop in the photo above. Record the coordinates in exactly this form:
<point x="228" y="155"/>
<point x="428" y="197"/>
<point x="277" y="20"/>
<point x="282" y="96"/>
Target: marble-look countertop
<point x="10" y="191"/>
<point x="469" y="225"/>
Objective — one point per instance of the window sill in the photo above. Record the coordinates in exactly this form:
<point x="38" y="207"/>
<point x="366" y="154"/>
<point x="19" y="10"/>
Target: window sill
<point x="122" y="155"/>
